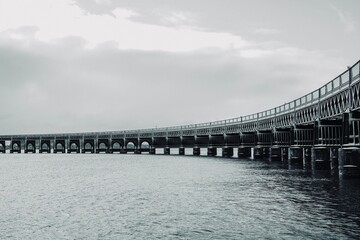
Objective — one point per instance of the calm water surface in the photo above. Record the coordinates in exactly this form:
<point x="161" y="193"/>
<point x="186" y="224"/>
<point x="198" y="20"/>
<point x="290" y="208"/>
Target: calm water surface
<point x="170" y="197"/>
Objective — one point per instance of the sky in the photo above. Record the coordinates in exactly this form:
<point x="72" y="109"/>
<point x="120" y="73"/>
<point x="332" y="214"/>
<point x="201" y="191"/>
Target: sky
<point x="104" y="65"/>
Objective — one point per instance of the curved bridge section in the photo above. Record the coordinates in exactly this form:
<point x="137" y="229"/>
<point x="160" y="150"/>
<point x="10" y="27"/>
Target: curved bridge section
<point x="314" y="126"/>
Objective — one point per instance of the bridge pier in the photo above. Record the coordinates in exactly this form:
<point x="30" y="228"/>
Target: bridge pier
<point x="261" y="152"/>
<point x="244" y="152"/>
<point x="227" y="152"/>
<point x="152" y="151"/>
<point x="275" y="154"/>
<point x="56" y="150"/>
<point x="123" y="151"/>
<point x="258" y="153"/>
<point x="137" y="151"/>
<point x="167" y="151"/>
<point x="349" y="162"/>
<point x="306" y="157"/>
<point x="196" y="151"/>
<point x="334" y="159"/>
<point x="212" y="151"/>
<point x="284" y="154"/>
<point x="295" y="155"/>
<point x="91" y="150"/>
<point x="181" y="151"/>
<point x="30" y="150"/>
<point x="320" y="158"/>
<point x="2" y="147"/>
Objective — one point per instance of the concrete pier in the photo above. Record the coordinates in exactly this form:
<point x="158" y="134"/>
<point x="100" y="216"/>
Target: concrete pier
<point x="320" y="158"/>
<point x="227" y="152"/>
<point x="167" y="151"/>
<point x="295" y="155"/>
<point x="284" y="154"/>
<point x="181" y="151"/>
<point x="275" y="154"/>
<point x="258" y="153"/>
<point x="196" y="151"/>
<point x="349" y="162"/>
<point x="212" y="151"/>
<point x="244" y="152"/>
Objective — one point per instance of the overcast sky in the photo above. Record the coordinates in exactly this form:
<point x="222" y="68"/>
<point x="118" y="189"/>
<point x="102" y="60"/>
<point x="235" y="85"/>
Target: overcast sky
<point x="94" y="65"/>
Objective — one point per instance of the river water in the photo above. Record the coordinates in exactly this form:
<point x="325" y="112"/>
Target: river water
<point x="102" y="196"/>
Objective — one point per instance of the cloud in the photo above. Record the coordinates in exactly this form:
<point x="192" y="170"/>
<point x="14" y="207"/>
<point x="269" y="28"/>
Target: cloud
<point x="117" y="65"/>
<point x="266" y="31"/>
<point x="66" y="87"/>
<point x="97" y="29"/>
<point x="349" y="25"/>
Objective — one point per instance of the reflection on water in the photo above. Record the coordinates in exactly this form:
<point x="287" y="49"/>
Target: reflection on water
<point x="171" y="197"/>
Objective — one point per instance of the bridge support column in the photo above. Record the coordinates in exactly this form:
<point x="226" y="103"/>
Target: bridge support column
<point x="320" y="158"/>
<point x="284" y="154"/>
<point x="152" y="151"/>
<point x="334" y="160"/>
<point x="181" y="151"/>
<point x="275" y="154"/>
<point x="258" y="153"/>
<point x="2" y="147"/>
<point x="196" y="151"/>
<point x="123" y="151"/>
<point x="30" y="150"/>
<point x="167" y="151"/>
<point x="227" y="152"/>
<point x="212" y="151"/>
<point x="57" y="150"/>
<point x="295" y="155"/>
<point x="137" y="151"/>
<point x="244" y="152"/>
<point x="349" y="162"/>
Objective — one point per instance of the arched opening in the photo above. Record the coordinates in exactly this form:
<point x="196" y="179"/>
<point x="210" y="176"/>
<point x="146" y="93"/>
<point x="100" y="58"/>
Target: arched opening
<point x="88" y="146"/>
<point x="116" y="145"/>
<point x="30" y="146"/>
<point x="73" y="146"/>
<point x="16" y="146"/>
<point x="130" y="145"/>
<point x="145" y="145"/>
<point x="59" y="146"/>
<point x="102" y="146"/>
<point x="45" y="146"/>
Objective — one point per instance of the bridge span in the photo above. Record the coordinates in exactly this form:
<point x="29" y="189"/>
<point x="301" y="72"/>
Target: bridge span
<point x="320" y="129"/>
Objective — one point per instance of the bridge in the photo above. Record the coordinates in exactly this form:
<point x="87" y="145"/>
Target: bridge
<point x="320" y="129"/>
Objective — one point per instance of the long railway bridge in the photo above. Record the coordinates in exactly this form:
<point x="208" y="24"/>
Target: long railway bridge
<point x="320" y="129"/>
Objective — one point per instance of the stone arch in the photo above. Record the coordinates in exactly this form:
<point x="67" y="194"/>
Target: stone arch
<point x="30" y="146"/>
<point x="130" y="145"/>
<point x="103" y="145"/>
<point x="45" y="145"/>
<point x="15" y="146"/>
<point x="116" y="145"/>
<point x="74" y="146"/>
<point x="145" y="145"/>
<point x="59" y="145"/>
<point x="88" y="146"/>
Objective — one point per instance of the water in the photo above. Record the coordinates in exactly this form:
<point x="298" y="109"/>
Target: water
<point x="170" y="197"/>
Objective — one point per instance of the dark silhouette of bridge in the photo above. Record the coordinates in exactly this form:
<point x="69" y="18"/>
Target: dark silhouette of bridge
<point x="320" y="129"/>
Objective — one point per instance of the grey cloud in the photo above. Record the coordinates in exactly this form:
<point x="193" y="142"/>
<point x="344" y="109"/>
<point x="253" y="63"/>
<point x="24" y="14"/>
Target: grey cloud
<point x="65" y="87"/>
<point x="295" y="21"/>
